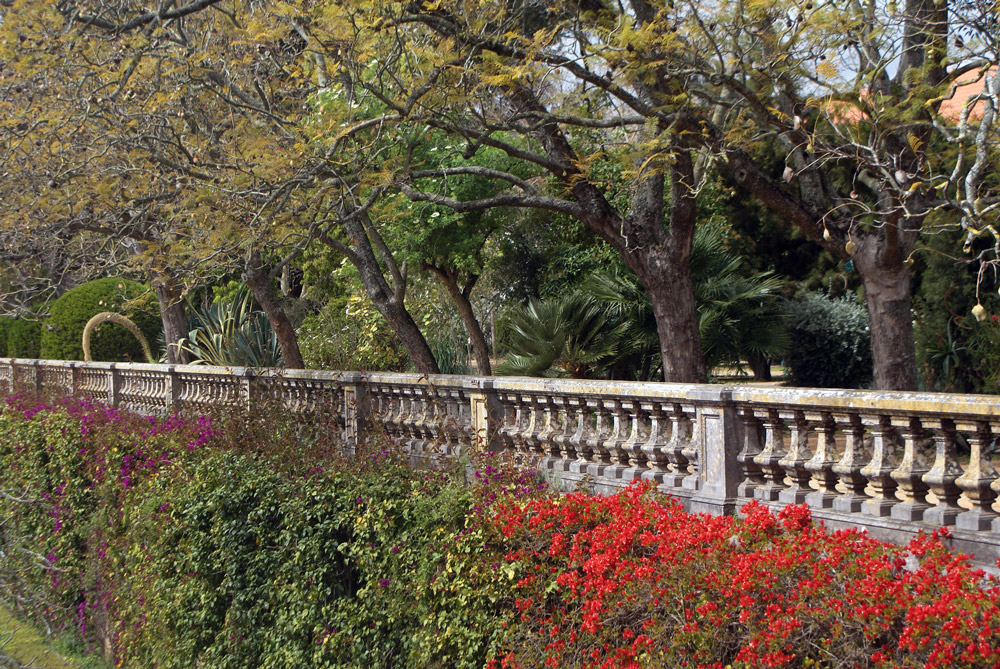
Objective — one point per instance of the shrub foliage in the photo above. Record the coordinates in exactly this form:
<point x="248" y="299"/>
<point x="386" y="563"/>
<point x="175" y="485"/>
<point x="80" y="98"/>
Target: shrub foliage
<point x="189" y="541"/>
<point x="62" y="336"/>
<point x="830" y="343"/>
<point x="24" y="338"/>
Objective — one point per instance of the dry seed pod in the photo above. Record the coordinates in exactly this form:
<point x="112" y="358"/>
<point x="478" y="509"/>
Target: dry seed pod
<point x="850" y="246"/>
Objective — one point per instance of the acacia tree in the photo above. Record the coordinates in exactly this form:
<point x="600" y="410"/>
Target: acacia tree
<point x="668" y="79"/>
<point x="154" y="128"/>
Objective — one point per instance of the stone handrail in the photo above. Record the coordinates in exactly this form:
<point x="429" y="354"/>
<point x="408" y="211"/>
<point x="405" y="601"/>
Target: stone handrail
<point x="893" y="463"/>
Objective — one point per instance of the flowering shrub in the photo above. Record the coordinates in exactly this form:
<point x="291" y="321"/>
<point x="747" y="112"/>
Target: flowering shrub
<point x="187" y="541"/>
<point x="633" y="581"/>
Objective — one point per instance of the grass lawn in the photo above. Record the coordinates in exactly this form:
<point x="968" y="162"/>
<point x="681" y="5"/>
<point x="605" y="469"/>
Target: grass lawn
<point x="29" y="647"/>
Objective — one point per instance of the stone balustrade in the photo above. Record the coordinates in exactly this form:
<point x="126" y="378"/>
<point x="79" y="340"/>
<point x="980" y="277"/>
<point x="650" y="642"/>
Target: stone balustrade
<point x="893" y="463"/>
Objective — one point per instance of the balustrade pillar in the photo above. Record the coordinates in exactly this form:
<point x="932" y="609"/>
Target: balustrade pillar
<point x="357" y="412"/>
<point x="943" y="474"/>
<point x="114" y="386"/>
<point x="719" y="437"/>
<point x="911" y="470"/>
<point x="881" y="486"/>
<point x="821" y="464"/>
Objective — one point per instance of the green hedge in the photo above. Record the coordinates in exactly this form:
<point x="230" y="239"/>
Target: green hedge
<point x="830" y="343"/>
<point x="24" y="339"/>
<point x="179" y="549"/>
<point x="5" y="324"/>
<point x="62" y="337"/>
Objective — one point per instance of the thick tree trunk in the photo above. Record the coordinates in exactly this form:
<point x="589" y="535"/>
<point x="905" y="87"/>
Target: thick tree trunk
<point x="172" y="317"/>
<point x="460" y="296"/>
<point x="672" y="296"/>
<point x="409" y="333"/>
<point x="888" y="294"/>
<point x="259" y="282"/>
<point x="390" y="301"/>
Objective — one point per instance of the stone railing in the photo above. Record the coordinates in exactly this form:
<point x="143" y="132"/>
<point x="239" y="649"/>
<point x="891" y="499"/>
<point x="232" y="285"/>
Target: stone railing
<point x="893" y="463"/>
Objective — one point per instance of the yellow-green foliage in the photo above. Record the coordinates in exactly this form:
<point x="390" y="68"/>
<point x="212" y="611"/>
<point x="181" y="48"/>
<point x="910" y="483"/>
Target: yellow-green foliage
<point x="62" y="336"/>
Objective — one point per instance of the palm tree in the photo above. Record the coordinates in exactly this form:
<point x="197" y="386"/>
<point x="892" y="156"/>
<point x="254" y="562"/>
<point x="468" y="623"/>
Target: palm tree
<point x="607" y="328"/>
<point x="569" y="336"/>
<point x="740" y="317"/>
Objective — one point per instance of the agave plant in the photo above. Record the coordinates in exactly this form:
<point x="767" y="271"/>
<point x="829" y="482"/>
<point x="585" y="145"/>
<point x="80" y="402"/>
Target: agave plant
<point x="232" y="332"/>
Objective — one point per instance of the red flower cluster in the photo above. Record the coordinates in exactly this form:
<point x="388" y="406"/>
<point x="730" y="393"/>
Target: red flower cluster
<point x="634" y="581"/>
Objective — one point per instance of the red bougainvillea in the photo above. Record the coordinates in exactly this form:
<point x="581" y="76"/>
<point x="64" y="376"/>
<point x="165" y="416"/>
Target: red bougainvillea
<point x="633" y="581"/>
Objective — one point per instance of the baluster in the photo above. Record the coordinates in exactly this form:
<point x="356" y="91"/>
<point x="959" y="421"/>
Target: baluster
<point x="519" y="429"/>
<point x="402" y="420"/>
<point x="546" y="435"/>
<point x="797" y="475"/>
<point x="563" y="438"/>
<point x="909" y="474"/>
<point x="532" y="442"/>
<point x="975" y="483"/>
<point x="584" y="451"/>
<point x="420" y="428"/>
<point x="632" y="447"/>
<point x="680" y="436"/>
<point x="596" y="439"/>
<point x="943" y="474"/>
<point x="508" y="425"/>
<point x="822" y="463"/>
<point x="690" y="450"/>
<point x="615" y="440"/>
<point x="753" y="475"/>
<point x="857" y="453"/>
<point x="769" y="458"/>
<point x="652" y="448"/>
<point x="881" y="486"/>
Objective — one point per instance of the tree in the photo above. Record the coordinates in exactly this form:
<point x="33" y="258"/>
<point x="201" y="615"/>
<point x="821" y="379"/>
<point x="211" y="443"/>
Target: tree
<point x="472" y="71"/>
<point x="855" y="96"/>
<point x="132" y="126"/>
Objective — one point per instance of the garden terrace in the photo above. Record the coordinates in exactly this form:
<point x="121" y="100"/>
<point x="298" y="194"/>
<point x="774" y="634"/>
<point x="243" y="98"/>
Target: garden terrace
<point x="893" y="463"/>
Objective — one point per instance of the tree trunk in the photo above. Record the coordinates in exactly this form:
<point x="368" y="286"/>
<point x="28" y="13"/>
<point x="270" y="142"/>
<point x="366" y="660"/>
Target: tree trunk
<point x="672" y="297"/>
<point x="259" y="282"/>
<point x="172" y="317"/>
<point x="460" y="296"/>
<point x="888" y="294"/>
<point x="413" y="339"/>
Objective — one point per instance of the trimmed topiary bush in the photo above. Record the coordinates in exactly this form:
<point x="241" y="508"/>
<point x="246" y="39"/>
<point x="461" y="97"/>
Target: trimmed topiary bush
<point x="23" y="339"/>
<point x="61" y="338"/>
<point x="830" y="343"/>
<point x="5" y="324"/>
